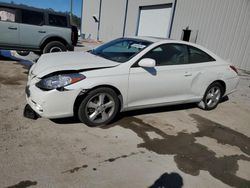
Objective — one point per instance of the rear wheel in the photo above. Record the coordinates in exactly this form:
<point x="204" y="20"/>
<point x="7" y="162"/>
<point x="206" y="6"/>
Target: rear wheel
<point x="99" y="107"/>
<point x="212" y="96"/>
<point x="54" y="46"/>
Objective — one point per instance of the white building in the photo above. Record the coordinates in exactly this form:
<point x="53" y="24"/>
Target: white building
<point x="223" y="26"/>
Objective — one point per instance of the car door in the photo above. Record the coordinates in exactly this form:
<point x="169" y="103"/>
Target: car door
<point x="168" y="82"/>
<point x="32" y="29"/>
<point x="203" y="66"/>
<point x="9" y="28"/>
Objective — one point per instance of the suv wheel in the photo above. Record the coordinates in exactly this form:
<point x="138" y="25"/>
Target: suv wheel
<point x="23" y="53"/>
<point x="54" y="46"/>
<point x="99" y="107"/>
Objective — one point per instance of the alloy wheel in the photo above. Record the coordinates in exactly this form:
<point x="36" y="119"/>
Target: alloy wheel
<point x="100" y="108"/>
<point x="213" y="97"/>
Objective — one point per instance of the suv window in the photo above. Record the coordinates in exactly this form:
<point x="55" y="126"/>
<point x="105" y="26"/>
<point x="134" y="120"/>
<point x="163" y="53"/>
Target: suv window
<point x="169" y="54"/>
<point x="57" y="20"/>
<point x="32" y="17"/>
<point x="198" y="56"/>
<point x="7" y="14"/>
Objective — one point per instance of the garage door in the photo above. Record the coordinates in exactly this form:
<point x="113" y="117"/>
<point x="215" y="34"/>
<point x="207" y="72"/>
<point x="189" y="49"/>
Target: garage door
<point x="155" y="21"/>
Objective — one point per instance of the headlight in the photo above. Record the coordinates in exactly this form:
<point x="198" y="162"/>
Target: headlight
<point x="59" y="81"/>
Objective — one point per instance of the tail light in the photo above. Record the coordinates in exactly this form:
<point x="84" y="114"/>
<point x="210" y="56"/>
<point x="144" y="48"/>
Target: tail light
<point x="234" y="69"/>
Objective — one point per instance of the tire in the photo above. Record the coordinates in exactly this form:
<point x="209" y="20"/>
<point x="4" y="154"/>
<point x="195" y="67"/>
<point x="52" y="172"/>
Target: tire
<point x="54" y="46"/>
<point x="23" y="53"/>
<point x="99" y="107"/>
<point x="212" y="96"/>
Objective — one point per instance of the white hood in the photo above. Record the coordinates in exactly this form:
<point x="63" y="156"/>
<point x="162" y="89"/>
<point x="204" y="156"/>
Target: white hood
<point x="63" y="61"/>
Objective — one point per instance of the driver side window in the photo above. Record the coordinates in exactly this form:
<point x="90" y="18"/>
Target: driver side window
<point x="169" y="54"/>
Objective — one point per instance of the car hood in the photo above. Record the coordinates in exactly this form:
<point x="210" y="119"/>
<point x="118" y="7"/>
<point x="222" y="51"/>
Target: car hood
<point x="69" y="61"/>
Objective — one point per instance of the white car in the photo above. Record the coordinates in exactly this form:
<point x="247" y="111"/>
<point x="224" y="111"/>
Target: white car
<point x="126" y="74"/>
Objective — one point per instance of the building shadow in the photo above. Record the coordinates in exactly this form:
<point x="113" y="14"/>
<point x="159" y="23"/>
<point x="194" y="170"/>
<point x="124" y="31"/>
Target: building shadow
<point x="166" y="180"/>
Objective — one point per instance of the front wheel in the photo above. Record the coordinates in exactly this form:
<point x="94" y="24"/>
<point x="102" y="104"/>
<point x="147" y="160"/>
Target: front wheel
<point x="99" y="107"/>
<point x="212" y="96"/>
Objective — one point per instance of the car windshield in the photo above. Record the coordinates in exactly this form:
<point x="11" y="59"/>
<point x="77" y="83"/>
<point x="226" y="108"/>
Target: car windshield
<point x="121" y="50"/>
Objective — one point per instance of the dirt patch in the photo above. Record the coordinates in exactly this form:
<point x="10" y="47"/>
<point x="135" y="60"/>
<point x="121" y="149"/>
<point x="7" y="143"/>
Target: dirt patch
<point x="191" y="157"/>
<point x="15" y="80"/>
<point x="11" y="73"/>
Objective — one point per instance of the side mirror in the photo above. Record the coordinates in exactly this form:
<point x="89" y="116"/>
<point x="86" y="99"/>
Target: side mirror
<point x="147" y="62"/>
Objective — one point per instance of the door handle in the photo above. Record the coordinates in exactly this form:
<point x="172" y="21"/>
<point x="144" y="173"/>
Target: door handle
<point x="12" y="28"/>
<point x="188" y="74"/>
<point x="42" y="31"/>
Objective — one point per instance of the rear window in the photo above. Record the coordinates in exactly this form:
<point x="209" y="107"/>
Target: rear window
<point x="7" y="14"/>
<point x="57" y="20"/>
<point x="32" y="17"/>
<point x="198" y="56"/>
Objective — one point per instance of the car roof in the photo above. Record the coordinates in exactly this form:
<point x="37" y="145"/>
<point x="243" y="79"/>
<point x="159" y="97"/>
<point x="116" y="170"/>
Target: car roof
<point x="150" y="39"/>
<point x="160" y="40"/>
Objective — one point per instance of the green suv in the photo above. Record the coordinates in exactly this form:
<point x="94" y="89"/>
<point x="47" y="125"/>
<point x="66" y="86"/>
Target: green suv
<point x="39" y="30"/>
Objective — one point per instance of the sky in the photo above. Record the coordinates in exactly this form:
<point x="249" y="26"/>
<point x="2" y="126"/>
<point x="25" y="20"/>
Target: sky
<point x="57" y="5"/>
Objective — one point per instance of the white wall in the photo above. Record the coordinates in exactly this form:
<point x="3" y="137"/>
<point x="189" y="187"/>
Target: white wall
<point x="89" y="27"/>
<point x="223" y="27"/>
<point x="112" y="19"/>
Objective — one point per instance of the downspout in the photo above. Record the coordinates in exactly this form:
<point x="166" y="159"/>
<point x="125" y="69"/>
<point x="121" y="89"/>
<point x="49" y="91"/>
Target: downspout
<point x="81" y="30"/>
<point x="99" y="20"/>
<point x="172" y="19"/>
<point x="125" y="19"/>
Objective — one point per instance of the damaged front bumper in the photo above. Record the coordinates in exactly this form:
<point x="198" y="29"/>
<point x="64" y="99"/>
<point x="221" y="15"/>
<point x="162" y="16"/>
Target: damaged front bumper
<point x="51" y="104"/>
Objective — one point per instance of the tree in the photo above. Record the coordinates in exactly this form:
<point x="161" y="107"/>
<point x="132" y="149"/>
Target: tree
<point x="76" y="21"/>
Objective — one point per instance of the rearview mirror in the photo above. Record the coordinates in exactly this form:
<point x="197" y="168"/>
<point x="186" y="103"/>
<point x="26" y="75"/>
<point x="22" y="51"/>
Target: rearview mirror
<point x="147" y="62"/>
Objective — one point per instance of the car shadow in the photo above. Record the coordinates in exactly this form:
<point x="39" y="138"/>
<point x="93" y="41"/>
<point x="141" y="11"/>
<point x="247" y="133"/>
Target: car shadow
<point x="6" y="55"/>
<point x="75" y="120"/>
<point x="122" y="115"/>
<point x="79" y="45"/>
<point x="65" y="121"/>
<point x="5" y="58"/>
